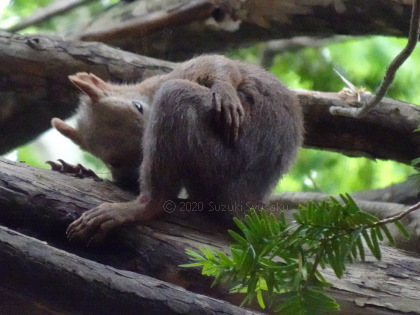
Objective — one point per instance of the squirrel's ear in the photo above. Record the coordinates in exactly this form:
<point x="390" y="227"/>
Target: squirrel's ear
<point x="66" y="130"/>
<point x="94" y="80"/>
<point x="90" y="84"/>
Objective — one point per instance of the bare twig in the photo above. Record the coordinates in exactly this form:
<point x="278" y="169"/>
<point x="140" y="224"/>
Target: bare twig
<point x="398" y="216"/>
<point x="44" y="13"/>
<point x="390" y="71"/>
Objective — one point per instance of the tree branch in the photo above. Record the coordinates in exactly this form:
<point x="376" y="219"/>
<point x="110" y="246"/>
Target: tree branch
<point x="45" y="202"/>
<point x="30" y="267"/>
<point x="159" y="27"/>
<point x="404" y="193"/>
<point x="41" y="90"/>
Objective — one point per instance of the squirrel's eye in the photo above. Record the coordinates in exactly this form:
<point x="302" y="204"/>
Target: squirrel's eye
<point x="139" y="106"/>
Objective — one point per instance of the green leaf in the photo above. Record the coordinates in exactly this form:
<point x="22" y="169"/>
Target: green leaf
<point x="226" y="261"/>
<point x="318" y="300"/>
<point x="361" y="249"/>
<point x="402" y="229"/>
<point x="388" y="235"/>
<point x="371" y="244"/>
<point x="379" y="233"/>
<point x="375" y="244"/>
<point x="247" y="260"/>
<point x="260" y="299"/>
<point x="238" y="238"/>
<point x="194" y="255"/>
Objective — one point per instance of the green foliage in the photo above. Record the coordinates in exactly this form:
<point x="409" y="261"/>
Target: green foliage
<point x="278" y="263"/>
<point x="333" y="173"/>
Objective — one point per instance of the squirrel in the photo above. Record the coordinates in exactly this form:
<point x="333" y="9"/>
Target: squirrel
<point x="224" y="130"/>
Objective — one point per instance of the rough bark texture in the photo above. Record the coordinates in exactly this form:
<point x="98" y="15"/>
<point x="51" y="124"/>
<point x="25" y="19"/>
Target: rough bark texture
<point x="406" y="193"/>
<point x="45" y="201"/>
<point x="159" y="28"/>
<point x="30" y="268"/>
<point x="41" y="90"/>
<point x="385" y="133"/>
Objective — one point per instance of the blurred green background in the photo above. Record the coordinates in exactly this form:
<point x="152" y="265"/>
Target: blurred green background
<point x="361" y="60"/>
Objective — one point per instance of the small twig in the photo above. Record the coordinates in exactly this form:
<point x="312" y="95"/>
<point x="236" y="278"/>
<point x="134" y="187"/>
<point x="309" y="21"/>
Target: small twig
<point x="390" y="71"/>
<point x="398" y="216"/>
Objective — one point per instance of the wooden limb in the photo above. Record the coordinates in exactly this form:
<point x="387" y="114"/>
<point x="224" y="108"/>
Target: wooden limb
<point x="44" y="13"/>
<point x="41" y="90"/>
<point x="46" y="201"/>
<point x="404" y="193"/>
<point x="66" y="283"/>
<point x="160" y="27"/>
<point x="387" y="132"/>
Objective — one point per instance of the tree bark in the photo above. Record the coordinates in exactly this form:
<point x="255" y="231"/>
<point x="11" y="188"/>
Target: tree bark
<point x="160" y="28"/>
<point x="41" y="90"/>
<point x="45" y="201"/>
<point x="405" y="193"/>
<point x="31" y="268"/>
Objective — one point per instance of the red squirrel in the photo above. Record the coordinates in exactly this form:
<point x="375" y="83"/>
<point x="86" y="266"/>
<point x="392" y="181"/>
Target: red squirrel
<point x="224" y="130"/>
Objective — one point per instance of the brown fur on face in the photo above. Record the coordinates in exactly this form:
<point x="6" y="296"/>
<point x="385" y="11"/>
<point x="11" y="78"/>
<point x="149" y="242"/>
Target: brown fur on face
<point x="109" y="126"/>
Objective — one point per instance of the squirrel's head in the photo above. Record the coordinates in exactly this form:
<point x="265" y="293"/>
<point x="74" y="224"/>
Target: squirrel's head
<point x="110" y="124"/>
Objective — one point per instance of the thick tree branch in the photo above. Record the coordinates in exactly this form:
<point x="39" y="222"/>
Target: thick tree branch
<point x="40" y="90"/>
<point x="385" y="133"/>
<point x="45" y="201"/>
<point x="159" y="28"/>
<point x="404" y="193"/>
<point x="30" y="267"/>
